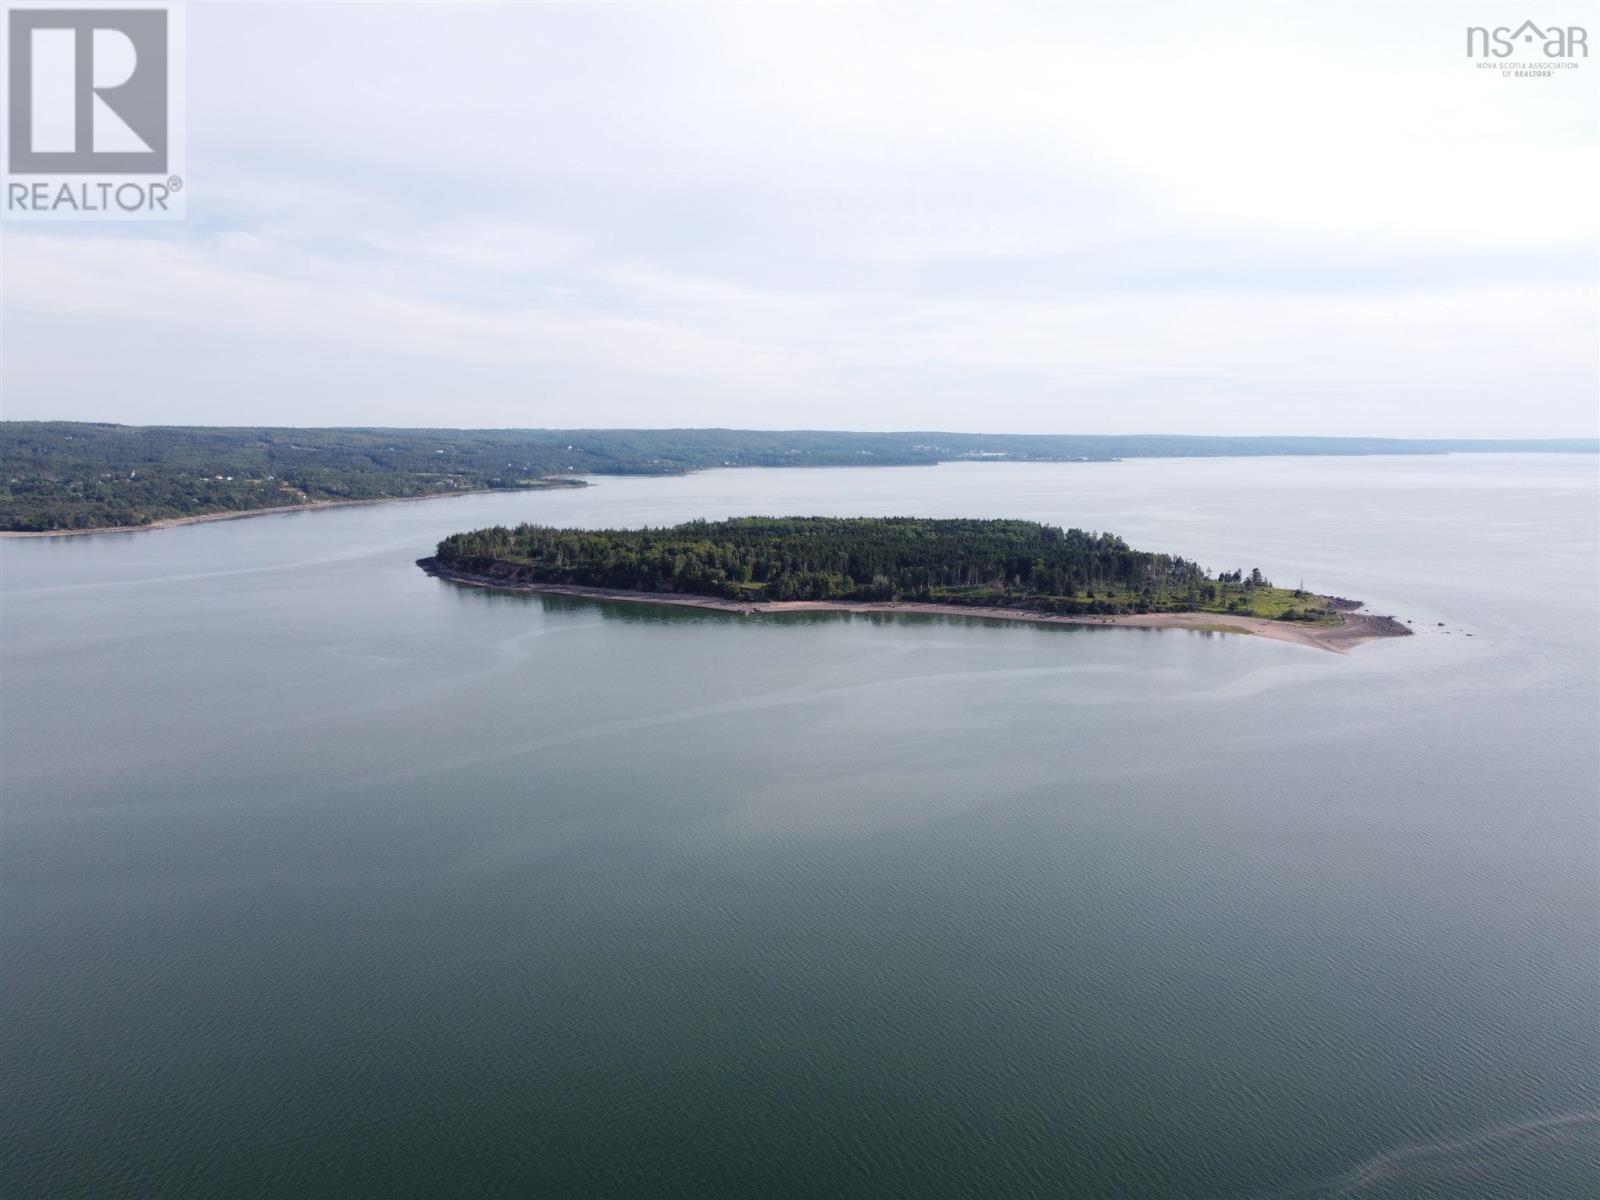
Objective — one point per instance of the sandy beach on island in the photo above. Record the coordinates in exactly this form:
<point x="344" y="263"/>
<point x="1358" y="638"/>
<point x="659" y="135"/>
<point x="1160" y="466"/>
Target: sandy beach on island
<point x="1352" y="629"/>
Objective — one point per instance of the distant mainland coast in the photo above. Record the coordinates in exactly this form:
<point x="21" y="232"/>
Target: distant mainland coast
<point x="307" y="506"/>
<point x="77" y="476"/>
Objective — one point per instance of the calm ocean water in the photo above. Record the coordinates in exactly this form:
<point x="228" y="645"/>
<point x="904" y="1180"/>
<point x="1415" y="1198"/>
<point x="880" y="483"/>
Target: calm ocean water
<point x="322" y="878"/>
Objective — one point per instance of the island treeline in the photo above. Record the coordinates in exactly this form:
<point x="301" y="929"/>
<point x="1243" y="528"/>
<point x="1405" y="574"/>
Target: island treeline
<point x="77" y="475"/>
<point x="989" y="563"/>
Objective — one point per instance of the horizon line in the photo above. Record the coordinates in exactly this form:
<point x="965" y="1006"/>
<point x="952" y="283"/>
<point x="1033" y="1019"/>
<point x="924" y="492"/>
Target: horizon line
<point x="1593" y="439"/>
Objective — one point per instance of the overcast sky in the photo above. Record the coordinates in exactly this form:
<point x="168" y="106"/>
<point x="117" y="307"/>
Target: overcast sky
<point x="1274" y="217"/>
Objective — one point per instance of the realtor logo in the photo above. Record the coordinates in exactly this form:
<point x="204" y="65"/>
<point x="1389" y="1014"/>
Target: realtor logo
<point x="88" y="91"/>
<point x="1553" y="41"/>
<point x="93" y="126"/>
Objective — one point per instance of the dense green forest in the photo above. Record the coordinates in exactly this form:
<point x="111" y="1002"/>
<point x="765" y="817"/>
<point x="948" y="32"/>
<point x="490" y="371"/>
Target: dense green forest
<point x="76" y="475"/>
<point x="1019" y="564"/>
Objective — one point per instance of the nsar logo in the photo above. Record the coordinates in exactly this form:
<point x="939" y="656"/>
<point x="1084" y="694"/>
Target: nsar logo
<point x="1553" y="41"/>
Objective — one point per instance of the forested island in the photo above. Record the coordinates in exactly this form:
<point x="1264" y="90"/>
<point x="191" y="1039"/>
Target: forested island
<point x="1021" y="568"/>
<point x="67" y="476"/>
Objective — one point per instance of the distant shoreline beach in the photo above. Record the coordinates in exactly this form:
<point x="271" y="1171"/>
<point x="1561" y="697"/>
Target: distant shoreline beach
<point x="308" y="506"/>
